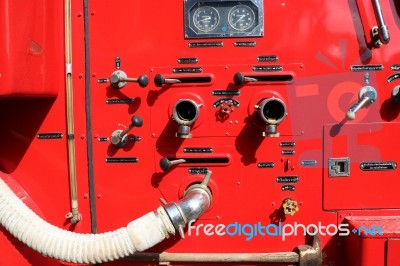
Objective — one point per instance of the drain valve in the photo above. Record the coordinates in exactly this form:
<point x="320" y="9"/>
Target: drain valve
<point x="290" y="206"/>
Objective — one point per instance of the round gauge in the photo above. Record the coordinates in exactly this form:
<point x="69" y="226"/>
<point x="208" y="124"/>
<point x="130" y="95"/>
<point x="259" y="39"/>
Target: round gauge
<point x="206" y="18"/>
<point x="241" y="17"/>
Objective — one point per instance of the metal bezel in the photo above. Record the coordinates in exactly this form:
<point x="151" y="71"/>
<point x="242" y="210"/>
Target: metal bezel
<point x="233" y="9"/>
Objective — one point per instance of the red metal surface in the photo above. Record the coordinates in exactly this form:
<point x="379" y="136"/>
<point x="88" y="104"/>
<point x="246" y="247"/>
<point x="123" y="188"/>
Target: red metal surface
<point x="31" y="46"/>
<point x="316" y="42"/>
<point x="373" y="247"/>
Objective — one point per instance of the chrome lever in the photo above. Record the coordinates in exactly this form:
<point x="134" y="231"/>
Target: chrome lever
<point x="367" y="96"/>
<point x="381" y="31"/>
<point x="119" y="79"/>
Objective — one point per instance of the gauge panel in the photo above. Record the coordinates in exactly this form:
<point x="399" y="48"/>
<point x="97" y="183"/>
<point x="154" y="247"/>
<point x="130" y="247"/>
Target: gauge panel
<point x="216" y="19"/>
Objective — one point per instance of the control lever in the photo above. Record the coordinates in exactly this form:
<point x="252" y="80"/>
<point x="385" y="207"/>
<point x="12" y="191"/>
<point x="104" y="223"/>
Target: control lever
<point x="166" y="164"/>
<point x="396" y="94"/>
<point x="381" y="31"/>
<point x="119" y="79"/>
<point x="160" y="80"/>
<point x="240" y="79"/>
<point x="119" y="138"/>
<point x="367" y="95"/>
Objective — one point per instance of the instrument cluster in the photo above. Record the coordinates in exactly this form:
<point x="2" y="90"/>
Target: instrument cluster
<point x="215" y="19"/>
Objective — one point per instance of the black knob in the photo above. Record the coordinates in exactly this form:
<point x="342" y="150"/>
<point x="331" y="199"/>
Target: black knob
<point x="159" y="80"/>
<point x="239" y="79"/>
<point x="143" y="80"/>
<point x="137" y="121"/>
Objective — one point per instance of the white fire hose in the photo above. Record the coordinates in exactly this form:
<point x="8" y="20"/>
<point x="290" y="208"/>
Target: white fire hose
<point x="138" y="235"/>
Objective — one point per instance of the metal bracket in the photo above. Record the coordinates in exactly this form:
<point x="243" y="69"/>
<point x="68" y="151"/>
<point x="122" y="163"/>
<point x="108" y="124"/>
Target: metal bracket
<point x="339" y="167"/>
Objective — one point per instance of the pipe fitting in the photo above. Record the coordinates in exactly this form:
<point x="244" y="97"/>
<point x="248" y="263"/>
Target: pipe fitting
<point x="185" y="113"/>
<point x="196" y="201"/>
<point x="272" y="111"/>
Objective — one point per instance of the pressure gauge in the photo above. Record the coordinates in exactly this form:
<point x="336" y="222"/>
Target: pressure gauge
<point x="241" y="17"/>
<point x="206" y="18"/>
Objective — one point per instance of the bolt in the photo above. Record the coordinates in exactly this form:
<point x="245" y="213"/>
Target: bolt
<point x="94" y="74"/>
<point x="79" y="14"/>
<point x="218" y="217"/>
<point x="273" y="203"/>
<point x="227" y="133"/>
<point x="85" y="196"/>
<point x="92" y="13"/>
<point x="83" y="136"/>
<point x="80" y="76"/>
<point x="238" y="183"/>
<point x="96" y="136"/>
<point x="301" y="203"/>
<point x="99" y="196"/>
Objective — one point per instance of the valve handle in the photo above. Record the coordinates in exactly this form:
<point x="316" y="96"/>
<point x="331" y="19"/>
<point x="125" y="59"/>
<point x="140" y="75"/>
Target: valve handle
<point x="119" y="138"/>
<point x="160" y="80"/>
<point x="206" y="179"/>
<point x="239" y="79"/>
<point x="119" y="79"/>
<point x="367" y="96"/>
<point x="166" y="164"/>
<point x="137" y="121"/>
<point x="383" y="31"/>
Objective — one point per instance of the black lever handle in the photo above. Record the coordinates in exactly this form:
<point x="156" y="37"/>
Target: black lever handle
<point x="160" y="80"/>
<point x="119" y="137"/>
<point x="166" y="164"/>
<point x="239" y="79"/>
